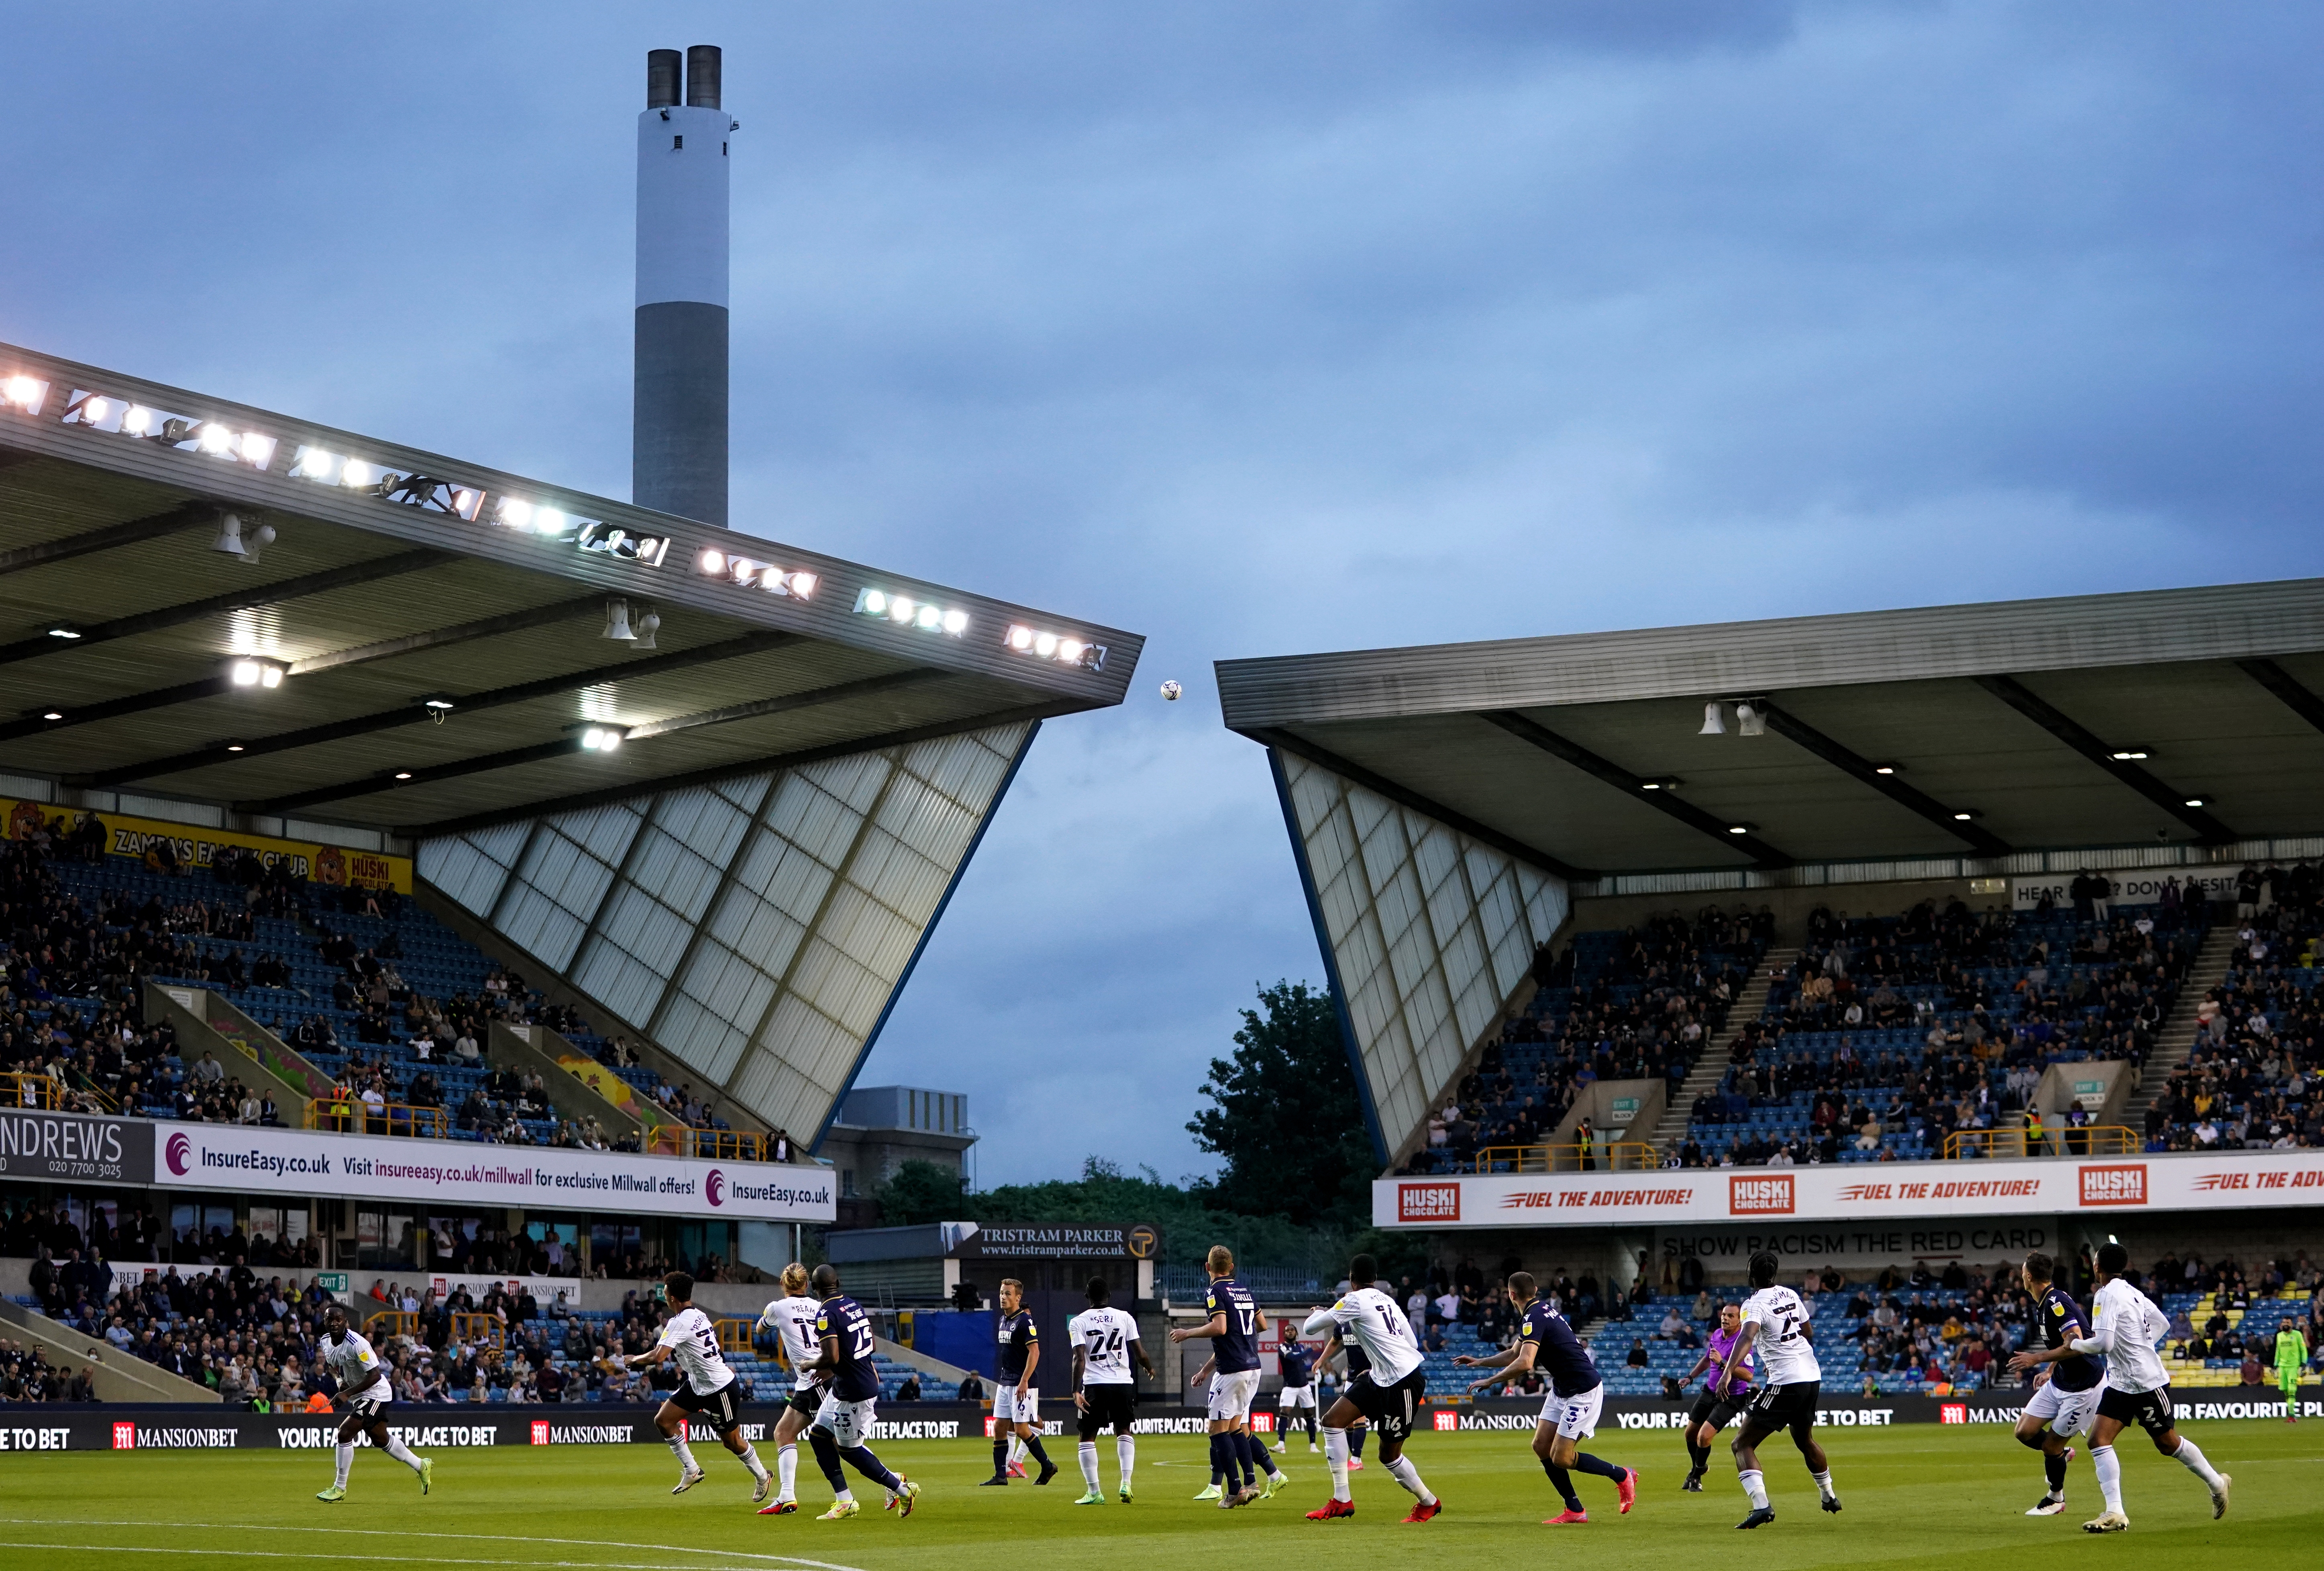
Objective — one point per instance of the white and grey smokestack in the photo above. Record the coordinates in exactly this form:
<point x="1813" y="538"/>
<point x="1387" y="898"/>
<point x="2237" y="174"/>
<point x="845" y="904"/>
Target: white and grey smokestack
<point x="677" y="461"/>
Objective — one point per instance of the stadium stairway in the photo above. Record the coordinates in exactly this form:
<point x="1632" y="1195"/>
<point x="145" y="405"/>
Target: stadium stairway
<point x="1710" y="1063"/>
<point x="2176" y="1039"/>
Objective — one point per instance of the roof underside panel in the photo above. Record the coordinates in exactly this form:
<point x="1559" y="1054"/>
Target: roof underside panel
<point x="1431" y="936"/>
<point x="756" y="929"/>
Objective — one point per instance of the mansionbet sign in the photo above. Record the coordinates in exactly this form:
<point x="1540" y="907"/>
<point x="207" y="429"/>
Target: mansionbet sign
<point x="1856" y="1193"/>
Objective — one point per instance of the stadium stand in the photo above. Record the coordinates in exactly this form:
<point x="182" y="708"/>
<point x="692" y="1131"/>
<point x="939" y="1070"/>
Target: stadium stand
<point x="1631" y="1004"/>
<point x="377" y="994"/>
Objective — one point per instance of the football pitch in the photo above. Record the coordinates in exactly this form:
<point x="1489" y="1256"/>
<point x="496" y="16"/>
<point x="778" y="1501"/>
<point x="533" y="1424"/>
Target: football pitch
<point x="1918" y="1496"/>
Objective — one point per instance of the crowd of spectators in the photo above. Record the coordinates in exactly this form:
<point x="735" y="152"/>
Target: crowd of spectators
<point x="1639" y="1004"/>
<point x="2255" y="1077"/>
<point x="1944" y="1019"/>
<point x="72" y="965"/>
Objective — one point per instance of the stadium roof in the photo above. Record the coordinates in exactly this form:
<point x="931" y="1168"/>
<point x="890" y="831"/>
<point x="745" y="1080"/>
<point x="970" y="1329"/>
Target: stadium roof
<point x="436" y="578"/>
<point x="2184" y="716"/>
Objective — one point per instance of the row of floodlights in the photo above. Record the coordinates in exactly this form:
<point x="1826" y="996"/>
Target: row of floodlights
<point x="312" y="462"/>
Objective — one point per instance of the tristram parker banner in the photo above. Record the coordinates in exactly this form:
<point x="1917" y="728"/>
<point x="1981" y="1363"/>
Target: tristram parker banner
<point x="299" y="1163"/>
<point x="1892" y="1191"/>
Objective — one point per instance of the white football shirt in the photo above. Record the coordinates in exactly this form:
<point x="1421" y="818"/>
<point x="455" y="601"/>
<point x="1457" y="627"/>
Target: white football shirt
<point x="2125" y="1325"/>
<point x="1104" y="1334"/>
<point x="794" y="1318"/>
<point x="351" y="1362"/>
<point x="1786" y="1351"/>
<point x="694" y="1340"/>
<point x="1371" y="1320"/>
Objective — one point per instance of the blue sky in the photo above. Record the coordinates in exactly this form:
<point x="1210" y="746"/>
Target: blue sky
<point x="1257" y="329"/>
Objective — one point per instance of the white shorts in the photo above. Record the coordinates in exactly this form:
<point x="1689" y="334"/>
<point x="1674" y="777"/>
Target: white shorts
<point x="2068" y="1412"/>
<point x="1296" y="1396"/>
<point x="1576" y="1417"/>
<point x="1230" y="1394"/>
<point x="849" y="1422"/>
<point x="1008" y="1409"/>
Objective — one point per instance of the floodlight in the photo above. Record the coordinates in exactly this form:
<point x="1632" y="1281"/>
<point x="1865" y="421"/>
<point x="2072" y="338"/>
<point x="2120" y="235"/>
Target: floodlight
<point x="601" y="738"/>
<point x="250" y="673"/>
<point x="1069" y="650"/>
<point x="2198" y="801"/>
<point x="256" y="450"/>
<point x="467" y="502"/>
<point x="234" y="747"/>
<point x="550" y="521"/>
<point x="871" y="603"/>
<point x="1738" y="829"/>
<point x="64" y="630"/>
<point x="1714" y="722"/>
<point x="93" y="410"/>
<point x="617" y="621"/>
<point x="1750" y="721"/>
<point x="137" y="420"/>
<point x="955" y="622"/>
<point x="357" y="475"/>
<point x="902" y="610"/>
<point x="1660" y="782"/>
<point x="801" y="585"/>
<point x="1964" y="815"/>
<point x="27" y="393"/>
<point x="52" y="714"/>
<point x="403" y="773"/>
<point x="1020" y="637"/>
<point x="1044" y="644"/>
<point x="314" y="464"/>
<point x="929" y="617"/>
<point x="647" y="625"/>
<point x="1887" y="768"/>
<point x="514" y="513"/>
<point x="215" y="438"/>
<point x="437" y="700"/>
<point x="2130" y="755"/>
<point x="712" y="562"/>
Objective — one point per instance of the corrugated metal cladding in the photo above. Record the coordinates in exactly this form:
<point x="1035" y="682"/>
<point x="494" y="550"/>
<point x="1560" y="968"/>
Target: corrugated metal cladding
<point x="2231" y="621"/>
<point x="1432" y="934"/>
<point x="755" y="929"/>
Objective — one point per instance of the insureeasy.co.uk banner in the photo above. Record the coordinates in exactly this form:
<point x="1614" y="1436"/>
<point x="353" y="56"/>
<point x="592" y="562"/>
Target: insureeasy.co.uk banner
<point x="297" y="1163"/>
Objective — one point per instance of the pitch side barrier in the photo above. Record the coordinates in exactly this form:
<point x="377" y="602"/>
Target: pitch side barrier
<point x="47" y="1427"/>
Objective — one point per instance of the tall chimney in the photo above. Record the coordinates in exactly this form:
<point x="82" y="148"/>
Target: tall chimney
<point x="677" y="462"/>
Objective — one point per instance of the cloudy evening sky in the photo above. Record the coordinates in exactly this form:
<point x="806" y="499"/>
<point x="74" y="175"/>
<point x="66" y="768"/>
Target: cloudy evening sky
<point x="1258" y="329"/>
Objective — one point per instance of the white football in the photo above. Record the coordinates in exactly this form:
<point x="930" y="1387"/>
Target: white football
<point x="1170" y="690"/>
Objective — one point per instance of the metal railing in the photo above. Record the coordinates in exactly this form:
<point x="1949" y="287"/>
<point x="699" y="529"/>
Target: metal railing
<point x="28" y="1090"/>
<point x="1598" y="1156"/>
<point x="472" y="1328"/>
<point x="397" y="1323"/>
<point x="353" y="1116"/>
<point x="2090" y="1140"/>
<point x="711" y="1144"/>
<point x="734" y="1335"/>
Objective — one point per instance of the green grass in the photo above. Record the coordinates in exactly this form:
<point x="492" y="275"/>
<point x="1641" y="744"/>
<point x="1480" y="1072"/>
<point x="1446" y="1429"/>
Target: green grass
<point x="1915" y="1496"/>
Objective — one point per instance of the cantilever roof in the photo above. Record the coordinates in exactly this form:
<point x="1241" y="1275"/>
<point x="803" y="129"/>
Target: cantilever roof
<point x="372" y="602"/>
<point x="1582" y="752"/>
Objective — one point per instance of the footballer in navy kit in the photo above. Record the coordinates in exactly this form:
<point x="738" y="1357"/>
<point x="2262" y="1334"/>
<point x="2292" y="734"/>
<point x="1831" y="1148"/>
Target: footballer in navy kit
<point x="851" y="1403"/>
<point x="1017" y="1399"/>
<point x="1297" y="1361"/>
<point x="1237" y="1457"/>
<point x="1570" y="1413"/>
<point x="2065" y="1402"/>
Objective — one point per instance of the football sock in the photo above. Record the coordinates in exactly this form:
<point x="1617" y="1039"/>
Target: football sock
<point x="1562" y="1481"/>
<point x="1017" y="1449"/>
<point x="1000" y="1457"/>
<point x="1218" y="1461"/>
<point x="1310" y="1426"/>
<point x="1823" y="1483"/>
<point x="2053" y="1468"/>
<point x="860" y="1458"/>
<point x="682" y="1451"/>
<point x="1356" y="1439"/>
<point x="1589" y="1463"/>
<point x="1125" y="1451"/>
<point x="2108" y="1468"/>
<point x="1335" y="1456"/>
<point x="1088" y="1454"/>
<point x="1755" y="1488"/>
<point x="347" y="1463"/>
<point x="1033" y="1446"/>
<point x="2192" y="1460"/>
<point x="1698" y="1458"/>
<point x="787" y="1472"/>
<point x="1259" y="1454"/>
<point x="1405" y="1474"/>
<point x="827" y="1456"/>
<point x="398" y="1451"/>
<point x="751" y="1460"/>
<point x="1244" y="1445"/>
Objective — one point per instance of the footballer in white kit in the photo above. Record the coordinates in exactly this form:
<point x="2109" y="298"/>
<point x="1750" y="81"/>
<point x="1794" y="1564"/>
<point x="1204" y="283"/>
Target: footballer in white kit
<point x="709" y="1387"/>
<point x="364" y="1394"/>
<point x="1388" y="1394"/>
<point x="792" y="1316"/>
<point x="1776" y="1326"/>
<point x="1105" y="1386"/>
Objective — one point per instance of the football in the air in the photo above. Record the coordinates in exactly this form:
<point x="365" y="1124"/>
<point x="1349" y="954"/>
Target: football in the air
<point x="1170" y="690"/>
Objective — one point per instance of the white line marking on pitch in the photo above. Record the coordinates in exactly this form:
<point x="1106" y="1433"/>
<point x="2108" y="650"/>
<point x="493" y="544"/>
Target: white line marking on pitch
<point x="392" y="1533"/>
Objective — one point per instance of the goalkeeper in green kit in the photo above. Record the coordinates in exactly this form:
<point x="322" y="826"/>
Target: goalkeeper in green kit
<point x="2291" y="1358"/>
